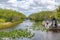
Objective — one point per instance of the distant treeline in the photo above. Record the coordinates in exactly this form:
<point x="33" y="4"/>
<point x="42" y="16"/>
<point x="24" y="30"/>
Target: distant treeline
<point x="7" y="15"/>
<point x="40" y="16"/>
<point x="10" y="18"/>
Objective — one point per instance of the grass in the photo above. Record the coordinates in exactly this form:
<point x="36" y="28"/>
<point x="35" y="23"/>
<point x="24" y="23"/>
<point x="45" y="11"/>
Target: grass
<point x="15" y="33"/>
<point x="8" y="24"/>
<point x="38" y="26"/>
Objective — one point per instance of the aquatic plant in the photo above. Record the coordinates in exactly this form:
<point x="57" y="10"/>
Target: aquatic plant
<point x="15" y="34"/>
<point x="38" y="26"/>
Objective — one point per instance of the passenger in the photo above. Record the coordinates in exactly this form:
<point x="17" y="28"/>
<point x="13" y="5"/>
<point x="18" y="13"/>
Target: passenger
<point x="54" y="22"/>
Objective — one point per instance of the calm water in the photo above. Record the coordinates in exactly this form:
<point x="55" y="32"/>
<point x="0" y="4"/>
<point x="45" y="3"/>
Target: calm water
<point x="39" y="35"/>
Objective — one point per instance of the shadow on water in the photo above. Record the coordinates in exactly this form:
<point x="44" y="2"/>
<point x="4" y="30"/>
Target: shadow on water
<point x="55" y="30"/>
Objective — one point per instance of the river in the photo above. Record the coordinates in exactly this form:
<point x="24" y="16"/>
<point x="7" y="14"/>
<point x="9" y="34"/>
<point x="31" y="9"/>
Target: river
<point x="39" y="35"/>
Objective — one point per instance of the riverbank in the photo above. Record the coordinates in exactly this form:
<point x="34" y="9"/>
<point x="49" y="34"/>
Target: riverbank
<point x="10" y="18"/>
<point x="8" y="24"/>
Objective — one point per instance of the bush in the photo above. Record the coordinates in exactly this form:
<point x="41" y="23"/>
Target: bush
<point x="2" y="20"/>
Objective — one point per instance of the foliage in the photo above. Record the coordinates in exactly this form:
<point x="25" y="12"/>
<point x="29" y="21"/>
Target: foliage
<point x="10" y="15"/>
<point x="44" y="15"/>
<point x="9" y="18"/>
<point x="2" y="20"/>
<point x="15" y="34"/>
<point x="40" y="16"/>
<point x="38" y="26"/>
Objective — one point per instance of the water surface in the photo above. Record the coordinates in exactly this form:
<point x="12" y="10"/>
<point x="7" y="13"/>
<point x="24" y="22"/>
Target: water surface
<point x="39" y="35"/>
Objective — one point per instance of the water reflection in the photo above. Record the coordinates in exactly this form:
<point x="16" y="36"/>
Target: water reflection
<point x="39" y="35"/>
<point x="23" y="25"/>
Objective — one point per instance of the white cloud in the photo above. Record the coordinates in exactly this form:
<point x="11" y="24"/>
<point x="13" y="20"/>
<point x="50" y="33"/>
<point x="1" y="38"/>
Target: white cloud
<point x="25" y="4"/>
<point x="30" y="5"/>
<point x="12" y="1"/>
<point x="51" y="7"/>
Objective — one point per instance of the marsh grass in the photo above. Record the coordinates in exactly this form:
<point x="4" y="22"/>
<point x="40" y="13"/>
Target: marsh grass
<point x="15" y="34"/>
<point x="38" y="26"/>
<point x="8" y="24"/>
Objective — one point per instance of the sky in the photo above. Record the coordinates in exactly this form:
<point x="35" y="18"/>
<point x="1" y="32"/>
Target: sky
<point x="29" y="6"/>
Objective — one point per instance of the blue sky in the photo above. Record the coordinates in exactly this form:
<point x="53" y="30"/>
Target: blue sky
<point x="29" y="6"/>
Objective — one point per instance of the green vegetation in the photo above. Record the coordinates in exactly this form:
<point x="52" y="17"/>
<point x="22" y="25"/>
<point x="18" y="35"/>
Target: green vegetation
<point x="40" y="16"/>
<point x="38" y="26"/>
<point x="15" y="34"/>
<point x="9" y="18"/>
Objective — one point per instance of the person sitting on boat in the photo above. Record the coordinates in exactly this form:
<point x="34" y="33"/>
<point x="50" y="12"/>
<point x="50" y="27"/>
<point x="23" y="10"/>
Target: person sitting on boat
<point x="54" y="22"/>
<point x="45" y="23"/>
